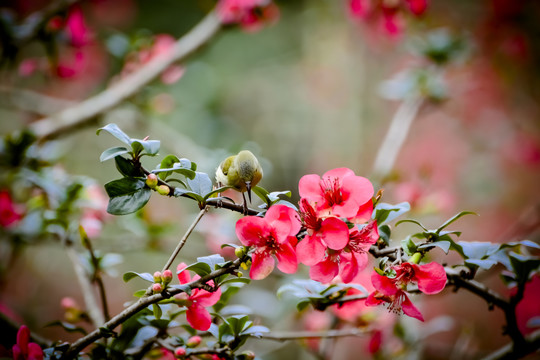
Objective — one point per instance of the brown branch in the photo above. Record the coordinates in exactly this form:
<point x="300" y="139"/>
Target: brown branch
<point x="296" y="335"/>
<point x="141" y="304"/>
<point x="511" y="352"/>
<point x="87" y="110"/>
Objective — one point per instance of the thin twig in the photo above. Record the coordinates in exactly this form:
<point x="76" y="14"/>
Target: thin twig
<point x="296" y="335"/>
<point x="396" y="135"/>
<point x="184" y="239"/>
<point x="96" y="277"/>
<point x="86" y="110"/>
<point x="94" y="312"/>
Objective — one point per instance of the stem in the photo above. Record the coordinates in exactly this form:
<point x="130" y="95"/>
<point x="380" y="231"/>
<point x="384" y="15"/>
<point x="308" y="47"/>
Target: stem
<point x="141" y="304"/>
<point x="86" y="286"/>
<point x="396" y="135"/>
<point x="184" y="239"/>
<point x="86" y="110"/>
<point x="296" y="335"/>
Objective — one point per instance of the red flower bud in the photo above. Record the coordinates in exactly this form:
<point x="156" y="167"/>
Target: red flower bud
<point x="151" y="181"/>
<point x="180" y="352"/>
<point x="167" y="276"/>
<point x="157" y="277"/>
<point x="163" y="190"/>
<point x="193" y="341"/>
<point x="157" y="288"/>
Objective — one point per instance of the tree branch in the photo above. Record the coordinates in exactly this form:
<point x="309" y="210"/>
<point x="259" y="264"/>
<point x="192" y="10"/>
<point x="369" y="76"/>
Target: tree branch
<point x="296" y="335"/>
<point x="511" y="352"/>
<point x="141" y="304"/>
<point x="85" y="111"/>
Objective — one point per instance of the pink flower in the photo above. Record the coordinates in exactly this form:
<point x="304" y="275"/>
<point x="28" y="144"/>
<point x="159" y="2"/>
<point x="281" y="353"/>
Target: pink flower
<point x="431" y="279"/>
<point x="272" y="235"/>
<point x="350" y="259"/>
<point x="76" y="27"/>
<point x="24" y="349"/>
<point x="250" y="14"/>
<point x="339" y="192"/>
<point x="417" y="7"/>
<point x="328" y="232"/>
<point x="197" y="315"/>
<point x="9" y="216"/>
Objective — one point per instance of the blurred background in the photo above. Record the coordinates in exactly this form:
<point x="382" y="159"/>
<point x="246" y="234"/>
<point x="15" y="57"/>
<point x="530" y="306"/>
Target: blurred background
<point x="314" y="89"/>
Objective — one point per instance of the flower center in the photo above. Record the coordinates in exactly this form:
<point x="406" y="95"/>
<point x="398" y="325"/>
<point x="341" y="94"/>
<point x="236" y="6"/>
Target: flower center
<point x="331" y="189"/>
<point x="309" y="216"/>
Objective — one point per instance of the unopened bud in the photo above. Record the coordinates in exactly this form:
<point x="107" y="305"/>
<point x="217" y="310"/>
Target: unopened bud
<point x="239" y="274"/>
<point x="240" y="251"/>
<point x="157" y="288"/>
<point x="163" y="190"/>
<point x="193" y="341"/>
<point x="166" y="277"/>
<point x="151" y="181"/>
<point x="157" y="277"/>
<point x="180" y="352"/>
<point x="247" y="355"/>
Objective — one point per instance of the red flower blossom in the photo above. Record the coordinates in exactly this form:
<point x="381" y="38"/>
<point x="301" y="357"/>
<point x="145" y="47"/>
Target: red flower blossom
<point x="272" y="235"/>
<point x="350" y="259"/>
<point x="9" y="216"/>
<point x="431" y="279"/>
<point x="339" y="192"/>
<point x="328" y="232"/>
<point x="197" y="315"/>
<point x="78" y="31"/>
<point x="250" y="14"/>
<point x="24" y="349"/>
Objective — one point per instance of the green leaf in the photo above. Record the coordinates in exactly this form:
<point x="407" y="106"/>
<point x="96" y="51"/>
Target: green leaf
<point x="443" y="245"/>
<point x="236" y="280"/>
<point x="200" y="184"/>
<point x="408" y="246"/>
<point x="274" y="196"/>
<point x="212" y="260"/>
<point x="220" y="190"/>
<point x="126" y="195"/>
<point x="172" y="164"/>
<point x="385" y="233"/>
<point x="68" y="327"/>
<point x="112" y="153"/>
<point x="200" y="268"/>
<point x="262" y="193"/>
<point x="256" y="330"/>
<point x="184" y="287"/>
<point x="384" y="212"/>
<point x="412" y="221"/>
<point x="132" y="274"/>
<point x="523" y="266"/>
<point x="115" y="131"/>
<point x="454" y="218"/>
<point x="150" y="147"/>
<point x="139" y="293"/>
<point x="126" y="167"/>
<point x="157" y="311"/>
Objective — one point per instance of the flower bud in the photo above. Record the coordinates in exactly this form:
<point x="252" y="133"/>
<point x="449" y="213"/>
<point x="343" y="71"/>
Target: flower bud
<point x="240" y="251"/>
<point x="163" y="190"/>
<point x="157" y="277"/>
<point x="151" y="181"/>
<point x="157" y="288"/>
<point x="180" y="352"/>
<point x="193" y="341"/>
<point x="167" y="276"/>
<point x="247" y="355"/>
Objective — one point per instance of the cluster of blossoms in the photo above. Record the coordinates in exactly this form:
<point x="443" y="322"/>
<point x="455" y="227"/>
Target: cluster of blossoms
<point x="386" y="14"/>
<point x="23" y="348"/>
<point x="336" y="212"/>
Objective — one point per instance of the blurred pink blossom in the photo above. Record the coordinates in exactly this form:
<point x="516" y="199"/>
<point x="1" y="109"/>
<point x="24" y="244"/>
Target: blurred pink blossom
<point x="9" y="215"/>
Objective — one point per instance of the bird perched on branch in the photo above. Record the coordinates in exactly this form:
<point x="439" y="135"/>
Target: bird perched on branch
<point x="241" y="172"/>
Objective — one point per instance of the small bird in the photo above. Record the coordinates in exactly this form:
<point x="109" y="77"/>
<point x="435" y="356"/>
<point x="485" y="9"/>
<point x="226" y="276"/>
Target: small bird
<point x="242" y="172"/>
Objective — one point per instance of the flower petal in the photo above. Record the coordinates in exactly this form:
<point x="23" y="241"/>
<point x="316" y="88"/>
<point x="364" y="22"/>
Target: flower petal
<point x="198" y="317"/>
<point x="335" y="233"/>
<point x="409" y="309"/>
<point x="338" y="173"/>
<point x="23" y="337"/>
<point x="431" y="277"/>
<point x="374" y="299"/>
<point x="364" y="213"/>
<point x="286" y="257"/>
<point x="34" y="352"/>
<point x="325" y="271"/>
<point x="351" y="264"/>
<point x="183" y="276"/>
<point x="383" y="284"/>
<point x="284" y="220"/>
<point x="309" y="187"/>
<point x="262" y="265"/>
<point x="252" y="230"/>
<point x="206" y="298"/>
<point x="310" y="251"/>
